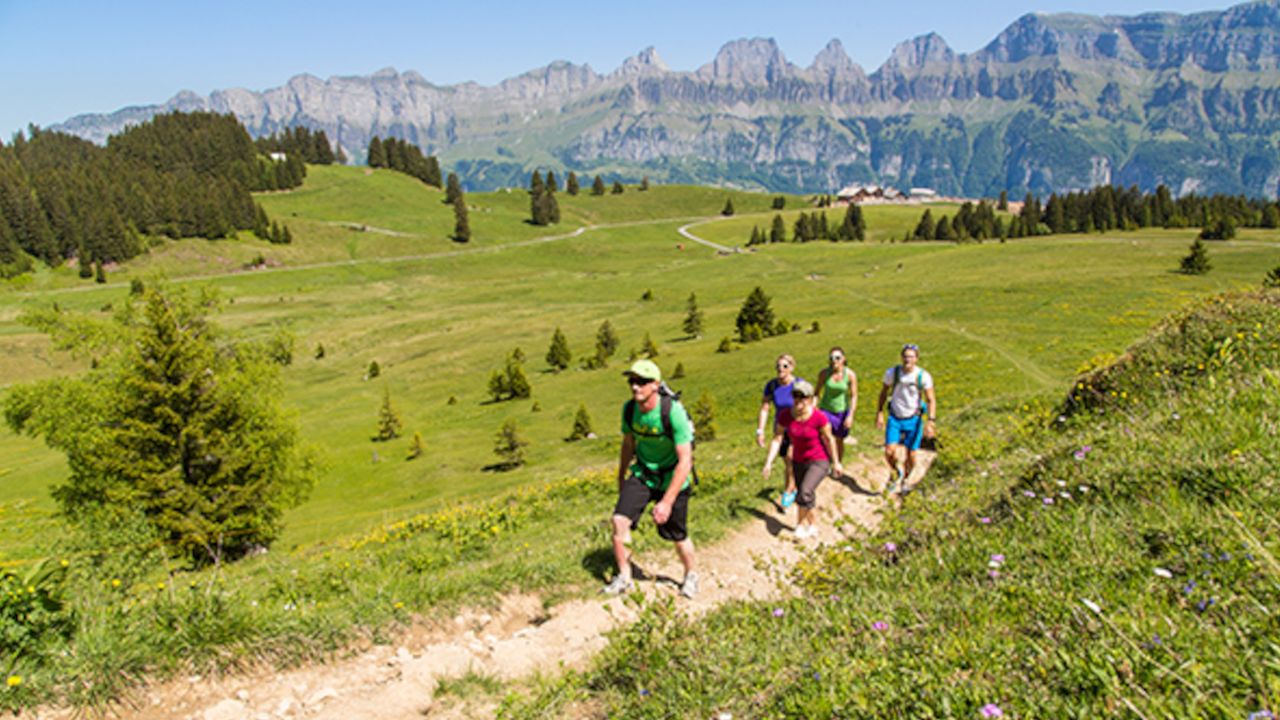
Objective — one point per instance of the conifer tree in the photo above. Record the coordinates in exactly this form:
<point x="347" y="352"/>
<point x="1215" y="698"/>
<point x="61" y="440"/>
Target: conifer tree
<point x="756" y="312"/>
<point x="1004" y="201"/>
<point x="650" y="347"/>
<point x="373" y="371"/>
<point x="170" y="425"/>
<point x="431" y="175"/>
<point x="618" y="189"/>
<point x="756" y="239"/>
<point x="1272" y="278"/>
<point x="726" y="345"/>
<point x="597" y="187"/>
<point x="377" y="153"/>
<point x="581" y="424"/>
<point x="453" y="189"/>
<point x="855" y="222"/>
<point x="943" y="230"/>
<point x="703" y="415"/>
<point x="320" y="351"/>
<point x="99" y="275"/>
<point x="510" y="444"/>
<point x="571" y="185"/>
<point x="558" y="355"/>
<point x="693" y="317"/>
<point x="388" y="420"/>
<point x="606" y="339"/>
<point x="518" y="386"/>
<point x="779" y="231"/>
<point x="644" y="184"/>
<point x="728" y="208"/>
<point x="925" y="228"/>
<point x="286" y="235"/>
<point x="552" y="186"/>
<point x="418" y="447"/>
<point x="499" y="389"/>
<point x="85" y="263"/>
<point x="535" y="184"/>
<point x="1197" y="261"/>
<point x="678" y="372"/>
<point x="461" y="221"/>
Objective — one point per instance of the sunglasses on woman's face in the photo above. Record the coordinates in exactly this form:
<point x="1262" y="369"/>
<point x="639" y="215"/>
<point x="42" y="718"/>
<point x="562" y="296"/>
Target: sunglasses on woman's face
<point x="837" y="358"/>
<point x="784" y="366"/>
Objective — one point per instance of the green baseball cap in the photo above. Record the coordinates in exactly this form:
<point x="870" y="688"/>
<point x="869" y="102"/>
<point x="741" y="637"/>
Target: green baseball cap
<point x="646" y="369"/>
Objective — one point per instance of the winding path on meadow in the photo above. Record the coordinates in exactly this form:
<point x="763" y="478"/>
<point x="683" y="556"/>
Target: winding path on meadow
<point x="520" y="638"/>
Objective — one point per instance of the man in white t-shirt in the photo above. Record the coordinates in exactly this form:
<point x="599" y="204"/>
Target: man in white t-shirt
<point x="913" y="409"/>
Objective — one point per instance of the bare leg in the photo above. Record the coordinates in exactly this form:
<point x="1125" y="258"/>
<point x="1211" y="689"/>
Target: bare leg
<point x="891" y="458"/>
<point x="684" y="549"/>
<point x="804" y="516"/>
<point x="621" y="541"/>
<point x="908" y="467"/>
<point x="791" y="474"/>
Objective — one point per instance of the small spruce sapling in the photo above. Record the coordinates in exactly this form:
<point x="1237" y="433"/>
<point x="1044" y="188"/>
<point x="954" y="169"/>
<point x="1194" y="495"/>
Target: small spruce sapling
<point x="417" y="447"/>
<point x="678" y="372"/>
<point x="582" y="428"/>
<point x="388" y="420"/>
<point x="509" y="445"/>
<point x="704" y="417"/>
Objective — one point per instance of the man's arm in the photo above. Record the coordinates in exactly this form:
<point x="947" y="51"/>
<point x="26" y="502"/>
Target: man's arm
<point x="684" y="464"/>
<point x="624" y="461"/>
<point x="929" y="429"/>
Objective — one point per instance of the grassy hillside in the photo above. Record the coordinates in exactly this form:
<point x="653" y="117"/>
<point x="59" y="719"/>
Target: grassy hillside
<point x="1003" y="327"/>
<point x="994" y="320"/>
<point x="1112" y="554"/>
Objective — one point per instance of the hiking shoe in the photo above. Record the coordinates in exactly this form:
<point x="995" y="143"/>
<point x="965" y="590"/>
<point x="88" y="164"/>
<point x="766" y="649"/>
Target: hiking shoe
<point x="892" y="483"/>
<point x="787" y="499"/>
<point x="618" y="586"/>
<point x="690" y="586"/>
<point x="802" y="531"/>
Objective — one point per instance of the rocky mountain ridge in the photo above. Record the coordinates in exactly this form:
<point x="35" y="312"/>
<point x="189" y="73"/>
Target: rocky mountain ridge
<point x="1054" y="102"/>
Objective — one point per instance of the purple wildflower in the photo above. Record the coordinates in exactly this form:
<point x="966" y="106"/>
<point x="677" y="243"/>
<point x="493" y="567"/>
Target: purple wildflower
<point x="995" y="574"/>
<point x="998" y="557"/>
<point x="991" y="710"/>
<point x="890" y="547"/>
<point x="1079" y="455"/>
<point x="984" y="520"/>
<point x="779" y="612"/>
<point x="1087" y="448"/>
<point x="1029" y="493"/>
<point x="1262" y="715"/>
<point x="1048" y="501"/>
<point x="879" y="625"/>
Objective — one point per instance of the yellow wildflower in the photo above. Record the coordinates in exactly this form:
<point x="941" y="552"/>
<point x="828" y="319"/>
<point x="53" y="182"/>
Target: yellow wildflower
<point x="14" y="681"/>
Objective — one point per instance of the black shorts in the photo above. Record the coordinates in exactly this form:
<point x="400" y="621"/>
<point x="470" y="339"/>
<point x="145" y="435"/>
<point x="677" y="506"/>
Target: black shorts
<point x="635" y="496"/>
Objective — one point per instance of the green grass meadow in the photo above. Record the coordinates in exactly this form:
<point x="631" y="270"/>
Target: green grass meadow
<point x="1005" y="328"/>
<point x="994" y="320"/>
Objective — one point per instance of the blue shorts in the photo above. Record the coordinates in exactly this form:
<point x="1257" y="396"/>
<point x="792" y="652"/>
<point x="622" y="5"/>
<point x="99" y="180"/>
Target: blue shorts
<point x="904" y="432"/>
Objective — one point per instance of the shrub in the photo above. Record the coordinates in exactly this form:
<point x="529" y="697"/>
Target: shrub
<point x="726" y="345"/>
<point x="417" y="447"/>
<point x="509" y="445"/>
<point x="704" y="417"/>
<point x="374" y="370"/>
<point x="1197" y="261"/>
<point x="678" y="372"/>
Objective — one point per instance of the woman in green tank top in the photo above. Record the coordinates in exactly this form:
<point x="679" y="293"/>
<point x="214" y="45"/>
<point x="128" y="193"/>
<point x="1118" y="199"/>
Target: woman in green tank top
<point x="839" y="387"/>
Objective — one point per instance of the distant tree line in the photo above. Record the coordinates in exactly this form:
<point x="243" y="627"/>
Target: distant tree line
<point x="177" y="175"/>
<point x="405" y="157"/>
<point x="312" y="148"/>
<point x="812" y="226"/>
<point x="1104" y="208"/>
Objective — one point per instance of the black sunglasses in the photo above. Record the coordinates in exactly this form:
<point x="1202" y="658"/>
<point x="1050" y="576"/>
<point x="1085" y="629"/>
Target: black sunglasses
<point x="637" y="380"/>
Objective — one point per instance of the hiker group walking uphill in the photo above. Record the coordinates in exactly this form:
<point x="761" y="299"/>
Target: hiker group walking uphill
<point x="810" y="425"/>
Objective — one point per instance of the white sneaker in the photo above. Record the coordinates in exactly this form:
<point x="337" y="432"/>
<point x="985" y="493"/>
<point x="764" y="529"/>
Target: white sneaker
<point x="804" y="531"/>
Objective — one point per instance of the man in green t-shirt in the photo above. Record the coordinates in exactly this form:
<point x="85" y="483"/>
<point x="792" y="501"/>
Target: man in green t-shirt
<point x="654" y="467"/>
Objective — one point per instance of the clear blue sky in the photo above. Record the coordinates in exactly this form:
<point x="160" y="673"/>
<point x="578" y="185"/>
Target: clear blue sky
<point x="60" y="58"/>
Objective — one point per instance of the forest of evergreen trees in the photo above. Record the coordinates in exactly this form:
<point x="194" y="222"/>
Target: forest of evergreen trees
<point x="177" y="175"/>
<point x="1106" y="207"/>
<point x="403" y="156"/>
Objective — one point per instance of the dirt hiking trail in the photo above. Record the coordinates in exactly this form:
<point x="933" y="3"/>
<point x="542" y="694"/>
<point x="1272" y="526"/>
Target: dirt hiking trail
<point x="521" y="637"/>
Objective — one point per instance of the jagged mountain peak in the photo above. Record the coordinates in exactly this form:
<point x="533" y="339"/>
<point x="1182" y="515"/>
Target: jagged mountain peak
<point x="929" y="49"/>
<point x="749" y="61"/>
<point x="646" y="62"/>
<point x="833" y="61"/>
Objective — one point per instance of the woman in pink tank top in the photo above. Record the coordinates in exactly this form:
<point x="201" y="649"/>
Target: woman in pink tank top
<point x="813" y="452"/>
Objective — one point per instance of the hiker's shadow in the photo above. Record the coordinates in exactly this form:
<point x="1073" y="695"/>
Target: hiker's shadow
<point x="772" y="525"/>
<point x="851" y="483"/>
